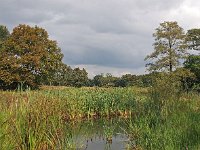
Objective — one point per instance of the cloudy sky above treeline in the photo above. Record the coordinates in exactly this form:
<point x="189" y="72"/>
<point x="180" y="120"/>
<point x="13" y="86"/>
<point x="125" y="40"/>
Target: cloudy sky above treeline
<point x="103" y="36"/>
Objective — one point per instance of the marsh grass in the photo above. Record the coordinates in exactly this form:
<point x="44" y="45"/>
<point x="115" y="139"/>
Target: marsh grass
<point x="32" y="120"/>
<point x="177" y="129"/>
<point x="169" y="118"/>
<point x="37" y="120"/>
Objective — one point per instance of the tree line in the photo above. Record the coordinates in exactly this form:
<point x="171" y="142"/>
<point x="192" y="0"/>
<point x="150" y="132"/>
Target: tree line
<point x="29" y="58"/>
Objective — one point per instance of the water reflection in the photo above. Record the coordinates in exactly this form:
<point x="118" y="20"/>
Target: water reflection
<point x="109" y="134"/>
<point x="117" y="143"/>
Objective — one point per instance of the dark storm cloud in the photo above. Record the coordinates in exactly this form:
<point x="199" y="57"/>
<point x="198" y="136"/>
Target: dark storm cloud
<point x="102" y="33"/>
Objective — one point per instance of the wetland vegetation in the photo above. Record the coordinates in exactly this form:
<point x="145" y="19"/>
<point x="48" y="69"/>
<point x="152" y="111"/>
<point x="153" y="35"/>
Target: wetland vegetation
<point x="69" y="118"/>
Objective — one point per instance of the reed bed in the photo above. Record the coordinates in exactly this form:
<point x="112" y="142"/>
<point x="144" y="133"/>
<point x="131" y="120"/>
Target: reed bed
<point x="170" y="124"/>
<point x="37" y="120"/>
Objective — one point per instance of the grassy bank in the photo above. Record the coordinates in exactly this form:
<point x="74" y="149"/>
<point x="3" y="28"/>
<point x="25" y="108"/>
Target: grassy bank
<point x="37" y="119"/>
<point x="170" y="125"/>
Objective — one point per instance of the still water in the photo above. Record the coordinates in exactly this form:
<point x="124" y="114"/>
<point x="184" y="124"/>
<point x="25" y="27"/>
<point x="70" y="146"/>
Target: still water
<point x="109" y="134"/>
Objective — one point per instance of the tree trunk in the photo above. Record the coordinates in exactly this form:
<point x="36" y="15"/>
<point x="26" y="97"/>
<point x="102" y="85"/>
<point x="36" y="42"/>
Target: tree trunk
<point x="170" y="66"/>
<point x="170" y="55"/>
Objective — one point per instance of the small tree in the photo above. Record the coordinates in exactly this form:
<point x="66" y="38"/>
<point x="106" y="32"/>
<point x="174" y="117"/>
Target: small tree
<point x="169" y="47"/>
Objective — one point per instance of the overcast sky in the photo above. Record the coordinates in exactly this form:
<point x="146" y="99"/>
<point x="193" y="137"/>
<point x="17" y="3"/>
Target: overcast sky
<point x="103" y="36"/>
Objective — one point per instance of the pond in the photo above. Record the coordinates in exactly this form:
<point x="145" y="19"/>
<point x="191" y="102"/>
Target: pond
<point x="107" y="134"/>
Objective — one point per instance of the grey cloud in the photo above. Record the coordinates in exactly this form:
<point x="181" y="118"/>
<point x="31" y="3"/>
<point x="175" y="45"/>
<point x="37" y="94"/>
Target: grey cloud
<point x="105" y="33"/>
<point x="158" y="5"/>
<point x="15" y="12"/>
<point x="116" y="51"/>
<point x="105" y="58"/>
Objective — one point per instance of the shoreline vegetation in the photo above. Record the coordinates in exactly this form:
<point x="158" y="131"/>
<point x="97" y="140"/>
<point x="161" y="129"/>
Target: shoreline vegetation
<point x="37" y="119"/>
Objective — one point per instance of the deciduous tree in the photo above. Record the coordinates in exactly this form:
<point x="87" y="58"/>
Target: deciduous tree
<point x="29" y="56"/>
<point x="169" y="47"/>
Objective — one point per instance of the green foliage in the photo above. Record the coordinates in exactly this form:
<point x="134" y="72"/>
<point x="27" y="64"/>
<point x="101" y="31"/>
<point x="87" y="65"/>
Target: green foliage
<point x="66" y="76"/>
<point x="193" y="64"/>
<point x="129" y="80"/>
<point x="106" y="81"/>
<point x="98" y="80"/>
<point x="62" y="77"/>
<point x="169" y="47"/>
<point x="79" y="77"/>
<point x="126" y="80"/>
<point x="186" y="77"/>
<point x="165" y="85"/>
<point x="4" y="34"/>
<point x="193" y="39"/>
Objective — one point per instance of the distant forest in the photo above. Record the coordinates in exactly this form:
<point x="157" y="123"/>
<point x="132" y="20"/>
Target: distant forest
<point x="30" y="59"/>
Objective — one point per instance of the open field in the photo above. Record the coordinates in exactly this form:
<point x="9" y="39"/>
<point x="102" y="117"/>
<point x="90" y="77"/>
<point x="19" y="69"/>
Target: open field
<point x="39" y="119"/>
